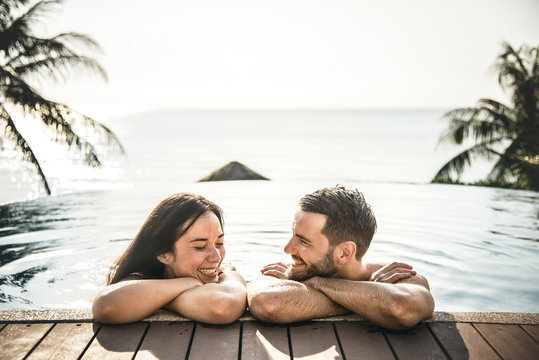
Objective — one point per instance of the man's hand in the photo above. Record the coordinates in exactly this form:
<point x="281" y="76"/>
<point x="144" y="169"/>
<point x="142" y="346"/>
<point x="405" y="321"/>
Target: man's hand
<point x="391" y="273"/>
<point x="277" y="270"/>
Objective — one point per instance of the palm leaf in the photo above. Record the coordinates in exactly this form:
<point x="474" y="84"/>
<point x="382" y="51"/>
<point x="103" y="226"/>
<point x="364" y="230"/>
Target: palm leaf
<point x="11" y="131"/>
<point x="16" y="33"/>
<point x="52" y="114"/>
<point x="458" y="163"/>
<point x="484" y="122"/>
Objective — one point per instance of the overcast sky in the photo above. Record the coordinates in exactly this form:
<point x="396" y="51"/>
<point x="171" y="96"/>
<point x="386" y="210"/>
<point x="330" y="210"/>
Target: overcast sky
<point x="295" y="53"/>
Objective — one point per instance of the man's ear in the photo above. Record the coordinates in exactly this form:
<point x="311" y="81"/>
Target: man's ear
<point x="166" y="258"/>
<point x="345" y="251"/>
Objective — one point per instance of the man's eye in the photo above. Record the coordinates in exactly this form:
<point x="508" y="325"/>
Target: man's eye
<point x="304" y="242"/>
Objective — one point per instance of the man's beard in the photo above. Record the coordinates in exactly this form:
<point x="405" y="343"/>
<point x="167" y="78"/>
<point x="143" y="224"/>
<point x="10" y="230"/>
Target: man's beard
<point x="324" y="268"/>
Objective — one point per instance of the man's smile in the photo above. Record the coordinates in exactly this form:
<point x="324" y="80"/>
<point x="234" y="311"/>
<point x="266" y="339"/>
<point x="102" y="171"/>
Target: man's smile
<point x="297" y="261"/>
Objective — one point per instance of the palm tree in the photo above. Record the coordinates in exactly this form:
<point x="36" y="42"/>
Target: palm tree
<point x="25" y="57"/>
<point x="509" y="134"/>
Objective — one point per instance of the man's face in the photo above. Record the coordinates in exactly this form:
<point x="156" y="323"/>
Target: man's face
<point x="310" y="250"/>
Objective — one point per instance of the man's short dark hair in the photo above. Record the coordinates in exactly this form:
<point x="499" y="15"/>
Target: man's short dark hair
<point x="349" y="217"/>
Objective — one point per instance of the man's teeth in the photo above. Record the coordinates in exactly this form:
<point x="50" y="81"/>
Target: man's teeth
<point x="207" y="271"/>
<point x="298" y="262"/>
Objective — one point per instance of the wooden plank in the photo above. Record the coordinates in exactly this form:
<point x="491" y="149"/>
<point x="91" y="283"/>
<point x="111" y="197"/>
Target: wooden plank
<point x="264" y="341"/>
<point x="533" y="330"/>
<point x="65" y="341"/>
<point x="16" y="340"/>
<point x="166" y="340"/>
<point x="462" y="341"/>
<point x="416" y="343"/>
<point x="362" y="340"/>
<point x="510" y="341"/>
<point x="216" y="342"/>
<point x="315" y="340"/>
<point x="116" y="341"/>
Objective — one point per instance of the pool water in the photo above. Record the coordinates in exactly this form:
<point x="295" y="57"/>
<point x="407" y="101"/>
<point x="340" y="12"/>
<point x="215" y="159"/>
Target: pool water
<point x="477" y="246"/>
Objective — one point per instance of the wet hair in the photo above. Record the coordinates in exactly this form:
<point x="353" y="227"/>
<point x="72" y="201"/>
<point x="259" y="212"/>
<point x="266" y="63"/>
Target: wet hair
<point x="349" y="217"/>
<point x="166" y="224"/>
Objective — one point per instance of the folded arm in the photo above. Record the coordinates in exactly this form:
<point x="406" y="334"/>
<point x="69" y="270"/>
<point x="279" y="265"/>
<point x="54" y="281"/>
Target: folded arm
<point x="395" y="306"/>
<point x="133" y="300"/>
<point x="213" y="303"/>
<point x="283" y="301"/>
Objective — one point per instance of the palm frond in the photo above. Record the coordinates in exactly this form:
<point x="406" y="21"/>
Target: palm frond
<point x="110" y="137"/>
<point x="458" y="163"/>
<point x="11" y="131"/>
<point x="484" y="122"/>
<point x="59" y="68"/>
<point x="37" y="48"/>
<point x="16" y="33"/>
<point x="52" y="114"/>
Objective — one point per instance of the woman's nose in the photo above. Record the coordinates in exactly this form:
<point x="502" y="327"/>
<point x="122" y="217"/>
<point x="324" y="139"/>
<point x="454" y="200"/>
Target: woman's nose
<point x="214" y="255"/>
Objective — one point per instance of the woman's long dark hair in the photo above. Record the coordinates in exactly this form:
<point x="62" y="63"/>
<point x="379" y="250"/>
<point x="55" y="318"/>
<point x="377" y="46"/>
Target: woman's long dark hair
<point x="167" y="222"/>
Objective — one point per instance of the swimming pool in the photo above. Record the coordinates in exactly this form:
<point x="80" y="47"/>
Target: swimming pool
<point x="477" y="246"/>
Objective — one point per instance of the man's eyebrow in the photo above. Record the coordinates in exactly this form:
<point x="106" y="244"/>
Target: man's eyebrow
<point x="205" y="239"/>
<point x="303" y="238"/>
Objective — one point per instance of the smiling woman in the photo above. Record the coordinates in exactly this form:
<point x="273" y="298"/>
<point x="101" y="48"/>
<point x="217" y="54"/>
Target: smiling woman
<point x="175" y="262"/>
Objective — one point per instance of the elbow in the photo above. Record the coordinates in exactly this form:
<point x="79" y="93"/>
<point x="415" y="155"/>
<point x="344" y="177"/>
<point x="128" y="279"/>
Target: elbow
<point x="263" y="306"/>
<point x="407" y="311"/>
<point x="104" y="311"/>
<point x="227" y="309"/>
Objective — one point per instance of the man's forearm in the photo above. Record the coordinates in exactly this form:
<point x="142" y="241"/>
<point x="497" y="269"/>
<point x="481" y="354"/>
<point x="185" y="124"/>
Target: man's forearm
<point x="395" y="306"/>
<point x="283" y="301"/>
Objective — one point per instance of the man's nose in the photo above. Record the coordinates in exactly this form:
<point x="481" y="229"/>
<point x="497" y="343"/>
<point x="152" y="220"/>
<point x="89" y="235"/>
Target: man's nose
<point x="290" y="248"/>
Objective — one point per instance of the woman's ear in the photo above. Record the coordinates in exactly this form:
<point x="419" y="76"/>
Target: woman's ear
<point x="166" y="258"/>
<point x="344" y="252"/>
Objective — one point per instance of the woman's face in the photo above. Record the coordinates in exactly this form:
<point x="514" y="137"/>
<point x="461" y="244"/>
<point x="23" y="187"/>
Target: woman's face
<point x="199" y="252"/>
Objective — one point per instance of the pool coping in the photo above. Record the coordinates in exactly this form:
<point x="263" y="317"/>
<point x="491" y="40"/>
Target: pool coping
<point x="85" y="315"/>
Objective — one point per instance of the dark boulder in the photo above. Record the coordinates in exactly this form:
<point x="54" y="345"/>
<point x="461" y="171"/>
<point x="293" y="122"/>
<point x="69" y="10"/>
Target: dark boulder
<point x="233" y="171"/>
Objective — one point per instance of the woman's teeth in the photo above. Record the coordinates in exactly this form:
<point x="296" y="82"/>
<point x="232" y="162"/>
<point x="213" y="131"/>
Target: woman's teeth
<point x="207" y="271"/>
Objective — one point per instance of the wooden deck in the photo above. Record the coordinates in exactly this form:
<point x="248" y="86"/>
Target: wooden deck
<point x="336" y="338"/>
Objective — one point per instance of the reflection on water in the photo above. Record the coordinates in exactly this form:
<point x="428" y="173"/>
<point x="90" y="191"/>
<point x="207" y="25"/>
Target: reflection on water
<point x="477" y="246"/>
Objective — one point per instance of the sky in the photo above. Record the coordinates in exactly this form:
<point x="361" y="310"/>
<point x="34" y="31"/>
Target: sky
<point x="294" y="53"/>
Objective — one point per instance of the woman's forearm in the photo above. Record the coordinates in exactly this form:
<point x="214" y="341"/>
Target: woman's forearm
<point x="214" y="303"/>
<point x="132" y="300"/>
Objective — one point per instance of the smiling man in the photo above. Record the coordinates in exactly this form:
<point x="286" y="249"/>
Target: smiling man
<point x="332" y="231"/>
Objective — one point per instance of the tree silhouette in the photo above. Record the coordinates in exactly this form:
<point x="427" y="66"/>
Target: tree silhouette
<point x="509" y="134"/>
<point x="26" y="57"/>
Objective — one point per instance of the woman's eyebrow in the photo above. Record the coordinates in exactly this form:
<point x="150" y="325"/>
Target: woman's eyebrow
<point x="205" y="239"/>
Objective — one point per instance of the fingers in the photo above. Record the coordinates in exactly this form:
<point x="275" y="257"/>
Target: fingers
<point x="275" y="273"/>
<point x="393" y="272"/>
<point x="394" y="277"/>
<point x="277" y="270"/>
<point x="275" y="266"/>
<point x="395" y="264"/>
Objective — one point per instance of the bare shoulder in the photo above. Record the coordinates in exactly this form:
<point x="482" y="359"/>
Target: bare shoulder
<point x="415" y="279"/>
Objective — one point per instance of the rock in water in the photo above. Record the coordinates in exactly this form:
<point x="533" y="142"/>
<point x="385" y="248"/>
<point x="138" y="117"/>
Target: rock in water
<point x="233" y="171"/>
